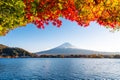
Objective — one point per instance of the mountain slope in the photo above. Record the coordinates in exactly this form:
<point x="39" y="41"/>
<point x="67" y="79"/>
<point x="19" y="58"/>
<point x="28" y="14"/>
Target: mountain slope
<point x="67" y="49"/>
<point x="3" y="46"/>
<point x="13" y="52"/>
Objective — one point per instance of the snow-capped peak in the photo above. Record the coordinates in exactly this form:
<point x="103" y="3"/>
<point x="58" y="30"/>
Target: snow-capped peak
<point x="66" y="45"/>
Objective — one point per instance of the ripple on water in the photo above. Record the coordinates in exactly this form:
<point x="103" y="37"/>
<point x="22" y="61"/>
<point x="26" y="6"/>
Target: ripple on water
<point x="59" y="69"/>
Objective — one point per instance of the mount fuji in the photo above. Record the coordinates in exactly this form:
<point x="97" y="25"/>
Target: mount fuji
<point x="68" y="49"/>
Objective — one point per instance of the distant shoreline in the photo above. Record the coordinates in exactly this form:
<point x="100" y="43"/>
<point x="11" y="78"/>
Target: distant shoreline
<point x="67" y="56"/>
<point x="80" y="56"/>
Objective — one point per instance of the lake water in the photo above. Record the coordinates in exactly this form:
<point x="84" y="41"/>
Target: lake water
<point x="59" y="69"/>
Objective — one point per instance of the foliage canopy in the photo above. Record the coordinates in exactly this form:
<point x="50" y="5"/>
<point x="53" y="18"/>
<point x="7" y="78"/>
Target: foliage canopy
<point x="16" y="13"/>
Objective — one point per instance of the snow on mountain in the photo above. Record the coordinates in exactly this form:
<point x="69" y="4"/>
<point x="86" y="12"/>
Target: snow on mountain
<point x="66" y="45"/>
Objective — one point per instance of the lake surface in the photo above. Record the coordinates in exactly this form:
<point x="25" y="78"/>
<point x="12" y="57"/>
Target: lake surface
<point x="59" y="69"/>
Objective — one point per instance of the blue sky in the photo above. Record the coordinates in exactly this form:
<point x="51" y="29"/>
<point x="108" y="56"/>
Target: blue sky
<point x="94" y="37"/>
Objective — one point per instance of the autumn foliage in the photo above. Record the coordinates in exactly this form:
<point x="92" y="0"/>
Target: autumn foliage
<point x="16" y="13"/>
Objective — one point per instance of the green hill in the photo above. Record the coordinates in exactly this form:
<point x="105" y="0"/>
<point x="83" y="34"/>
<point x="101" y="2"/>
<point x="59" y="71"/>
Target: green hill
<point x="10" y="52"/>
